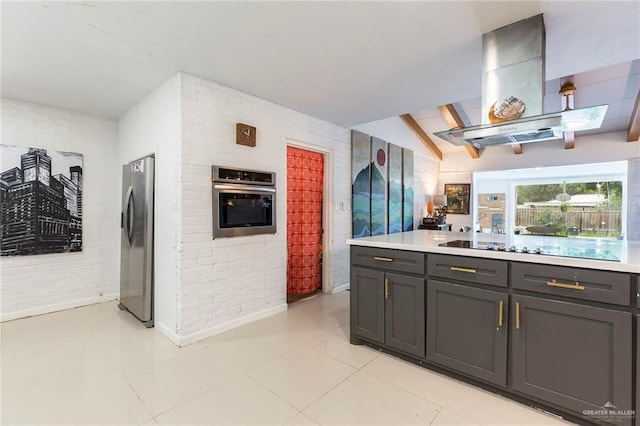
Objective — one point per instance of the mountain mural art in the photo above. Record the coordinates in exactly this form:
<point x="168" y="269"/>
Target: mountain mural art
<point x="382" y="186"/>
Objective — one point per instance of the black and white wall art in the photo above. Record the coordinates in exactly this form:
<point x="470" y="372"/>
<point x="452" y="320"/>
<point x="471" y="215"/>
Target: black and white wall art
<point x="40" y="201"/>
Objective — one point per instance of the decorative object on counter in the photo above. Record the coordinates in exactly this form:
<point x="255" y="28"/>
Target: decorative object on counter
<point x="41" y="201"/>
<point x="458" y="196"/>
<point x="245" y="135"/>
<point x="509" y="109"/>
<point x="440" y="209"/>
<point x="382" y="186"/>
<point x="436" y="226"/>
<point x="430" y="206"/>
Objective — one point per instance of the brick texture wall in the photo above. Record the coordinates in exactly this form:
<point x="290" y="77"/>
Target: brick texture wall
<point x="36" y="284"/>
<point x="230" y="280"/>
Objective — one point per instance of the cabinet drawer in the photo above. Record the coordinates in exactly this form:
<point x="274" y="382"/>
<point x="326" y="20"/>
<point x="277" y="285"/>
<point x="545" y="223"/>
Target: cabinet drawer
<point x="390" y="260"/>
<point x="586" y="284"/>
<point x="470" y="269"/>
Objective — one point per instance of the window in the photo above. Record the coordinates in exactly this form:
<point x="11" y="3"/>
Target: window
<point x="583" y="209"/>
<point x="581" y="201"/>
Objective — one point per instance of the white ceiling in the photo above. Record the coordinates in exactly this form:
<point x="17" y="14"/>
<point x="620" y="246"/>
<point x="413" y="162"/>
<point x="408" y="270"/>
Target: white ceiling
<point x="345" y="62"/>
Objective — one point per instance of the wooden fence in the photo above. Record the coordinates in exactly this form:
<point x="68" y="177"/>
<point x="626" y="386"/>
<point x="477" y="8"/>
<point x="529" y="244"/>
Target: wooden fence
<point x="609" y="220"/>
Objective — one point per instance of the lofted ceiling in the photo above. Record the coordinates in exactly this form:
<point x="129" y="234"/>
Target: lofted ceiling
<point x="344" y="62"/>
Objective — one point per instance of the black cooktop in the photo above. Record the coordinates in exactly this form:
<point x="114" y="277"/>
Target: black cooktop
<point x="586" y="250"/>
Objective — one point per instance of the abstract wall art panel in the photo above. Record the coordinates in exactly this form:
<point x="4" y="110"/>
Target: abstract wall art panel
<point x="40" y="201"/>
<point x="381" y="185"/>
<point x="360" y="184"/>
<point x="378" y="186"/>
<point x="395" y="189"/>
<point x="407" y="190"/>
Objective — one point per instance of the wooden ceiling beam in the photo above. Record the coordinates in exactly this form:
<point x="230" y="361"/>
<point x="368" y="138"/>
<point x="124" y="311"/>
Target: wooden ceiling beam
<point x="633" y="130"/>
<point x="452" y="117"/>
<point x="422" y="135"/>
<point x="569" y="138"/>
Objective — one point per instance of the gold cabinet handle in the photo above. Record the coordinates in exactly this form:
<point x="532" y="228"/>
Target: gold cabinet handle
<point x="500" y="314"/>
<point x="459" y="269"/>
<point x="575" y="286"/>
<point x="383" y="259"/>
<point x="517" y="316"/>
<point x="386" y="288"/>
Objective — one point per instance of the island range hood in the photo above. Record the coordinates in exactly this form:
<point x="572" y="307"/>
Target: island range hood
<point x="513" y="75"/>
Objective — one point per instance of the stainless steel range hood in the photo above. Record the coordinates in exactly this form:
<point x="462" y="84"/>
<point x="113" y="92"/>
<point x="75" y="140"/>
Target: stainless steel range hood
<point x="538" y="128"/>
<point x="513" y="67"/>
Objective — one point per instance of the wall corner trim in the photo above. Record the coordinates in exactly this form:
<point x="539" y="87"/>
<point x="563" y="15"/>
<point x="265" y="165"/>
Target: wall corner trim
<point x="168" y="333"/>
<point x="230" y="325"/>
<point x="339" y="288"/>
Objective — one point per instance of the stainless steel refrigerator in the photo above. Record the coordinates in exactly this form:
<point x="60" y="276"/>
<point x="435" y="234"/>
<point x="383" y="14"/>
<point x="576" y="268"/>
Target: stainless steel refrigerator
<point x="136" y="254"/>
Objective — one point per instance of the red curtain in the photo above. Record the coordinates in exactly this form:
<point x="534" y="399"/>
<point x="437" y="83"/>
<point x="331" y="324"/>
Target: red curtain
<point x="305" y="174"/>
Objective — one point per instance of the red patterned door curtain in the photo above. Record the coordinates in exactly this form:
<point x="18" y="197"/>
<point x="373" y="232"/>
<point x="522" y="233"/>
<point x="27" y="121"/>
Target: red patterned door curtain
<point x="305" y="176"/>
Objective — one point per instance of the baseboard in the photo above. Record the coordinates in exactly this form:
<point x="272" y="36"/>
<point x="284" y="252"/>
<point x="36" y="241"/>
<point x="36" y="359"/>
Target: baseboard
<point x="221" y="328"/>
<point x="168" y="333"/>
<point x="55" y="308"/>
<point x="340" y="288"/>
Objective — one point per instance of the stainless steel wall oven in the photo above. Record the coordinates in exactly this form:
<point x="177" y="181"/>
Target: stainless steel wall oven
<point x="244" y="202"/>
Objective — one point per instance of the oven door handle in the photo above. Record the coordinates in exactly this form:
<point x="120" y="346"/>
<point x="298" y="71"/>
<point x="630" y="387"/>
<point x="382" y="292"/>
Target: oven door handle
<point x="245" y="188"/>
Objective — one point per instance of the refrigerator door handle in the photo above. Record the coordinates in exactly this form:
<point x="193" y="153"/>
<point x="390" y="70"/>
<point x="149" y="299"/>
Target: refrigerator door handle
<point x="128" y="214"/>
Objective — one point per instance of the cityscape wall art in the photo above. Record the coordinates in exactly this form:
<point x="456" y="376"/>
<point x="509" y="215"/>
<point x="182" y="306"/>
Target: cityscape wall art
<point x="40" y="201"/>
<point x="381" y="186"/>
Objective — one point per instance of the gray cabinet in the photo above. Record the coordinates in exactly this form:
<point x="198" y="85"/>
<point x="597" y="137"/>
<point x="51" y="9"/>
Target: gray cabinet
<point x="388" y="307"/>
<point x="404" y="313"/>
<point x="469" y="269"/>
<point x="467" y="330"/>
<point x="367" y="303"/>
<point x="576" y="283"/>
<point x="406" y="262"/>
<point x="557" y="336"/>
<point x="574" y="356"/>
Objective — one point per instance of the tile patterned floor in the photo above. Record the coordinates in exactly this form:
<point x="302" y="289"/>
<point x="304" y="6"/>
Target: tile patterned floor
<point x="98" y="365"/>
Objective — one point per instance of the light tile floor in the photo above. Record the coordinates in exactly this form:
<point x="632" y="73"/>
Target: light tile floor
<point x="98" y="365"/>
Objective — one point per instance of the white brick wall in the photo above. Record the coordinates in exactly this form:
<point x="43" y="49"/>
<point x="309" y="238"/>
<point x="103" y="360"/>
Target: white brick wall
<point x="226" y="280"/>
<point x="153" y="127"/>
<point x="31" y="285"/>
<point x="425" y="175"/>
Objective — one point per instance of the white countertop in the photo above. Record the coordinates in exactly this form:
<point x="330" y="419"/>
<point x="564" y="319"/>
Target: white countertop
<point x="628" y="252"/>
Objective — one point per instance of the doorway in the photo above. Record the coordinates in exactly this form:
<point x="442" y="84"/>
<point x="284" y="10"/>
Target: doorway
<point x="305" y="203"/>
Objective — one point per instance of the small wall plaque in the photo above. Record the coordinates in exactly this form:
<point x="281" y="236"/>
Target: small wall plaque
<point x="245" y="134"/>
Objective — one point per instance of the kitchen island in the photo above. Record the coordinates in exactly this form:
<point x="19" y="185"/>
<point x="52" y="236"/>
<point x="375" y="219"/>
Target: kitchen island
<point x="548" y="321"/>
